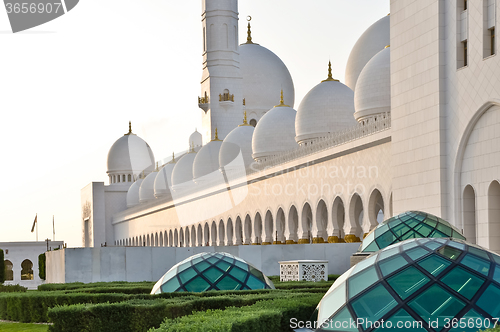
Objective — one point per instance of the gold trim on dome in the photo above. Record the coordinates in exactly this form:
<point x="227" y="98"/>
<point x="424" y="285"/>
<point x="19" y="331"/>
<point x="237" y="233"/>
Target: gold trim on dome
<point x="330" y="77"/>
<point x="282" y="102"/>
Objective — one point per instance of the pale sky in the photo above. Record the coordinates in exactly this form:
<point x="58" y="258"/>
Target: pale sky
<point x="69" y="87"/>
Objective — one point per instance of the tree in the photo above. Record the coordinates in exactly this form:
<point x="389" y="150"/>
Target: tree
<point x="41" y="266"/>
<point x="2" y="267"/>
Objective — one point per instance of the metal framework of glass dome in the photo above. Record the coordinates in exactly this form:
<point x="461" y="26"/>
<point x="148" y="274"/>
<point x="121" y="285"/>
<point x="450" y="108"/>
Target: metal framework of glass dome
<point x="446" y="284"/>
<point x="212" y="271"/>
<point x="408" y="225"/>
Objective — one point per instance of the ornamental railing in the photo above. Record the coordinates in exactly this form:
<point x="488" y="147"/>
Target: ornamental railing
<point x="365" y="128"/>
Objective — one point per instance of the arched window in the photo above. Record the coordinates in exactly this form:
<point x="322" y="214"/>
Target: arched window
<point x="9" y="274"/>
<point x="27" y="270"/>
<point x="129" y="178"/>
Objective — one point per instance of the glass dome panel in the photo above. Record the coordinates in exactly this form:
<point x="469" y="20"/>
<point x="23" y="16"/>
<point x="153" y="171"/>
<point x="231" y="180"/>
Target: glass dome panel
<point x="212" y="271"/>
<point x="463" y="282"/>
<point x="406" y="226"/>
<point x="434" y="264"/>
<point x="410" y="324"/>
<point x="407" y="282"/>
<point x="450" y="282"/>
<point x="489" y="301"/>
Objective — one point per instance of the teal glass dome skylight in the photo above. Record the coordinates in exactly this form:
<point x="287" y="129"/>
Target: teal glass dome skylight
<point x="212" y="271"/>
<point x="418" y="280"/>
<point x="408" y="225"/>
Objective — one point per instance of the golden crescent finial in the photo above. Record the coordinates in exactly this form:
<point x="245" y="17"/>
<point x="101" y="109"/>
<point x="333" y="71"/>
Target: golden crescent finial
<point x="129" y="128"/>
<point x="249" y="18"/>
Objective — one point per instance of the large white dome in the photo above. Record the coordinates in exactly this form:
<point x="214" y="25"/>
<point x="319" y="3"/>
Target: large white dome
<point x="264" y="75"/>
<point x="372" y="41"/>
<point x="373" y="89"/>
<point x="130" y="154"/>
<point x="183" y="170"/>
<point x="239" y="140"/>
<point x="133" y="193"/>
<point x="146" y="191"/>
<point x="327" y="108"/>
<point x="274" y="133"/>
<point x="207" y="159"/>
<point x="163" y="181"/>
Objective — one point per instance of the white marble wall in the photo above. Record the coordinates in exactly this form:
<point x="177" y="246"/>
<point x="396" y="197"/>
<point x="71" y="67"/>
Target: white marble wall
<point x="149" y="264"/>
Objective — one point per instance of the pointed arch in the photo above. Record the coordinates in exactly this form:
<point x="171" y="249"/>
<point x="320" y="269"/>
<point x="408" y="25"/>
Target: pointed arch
<point x="355" y="219"/>
<point x="375" y="209"/>
<point x="267" y="236"/>
<point x="221" y="236"/>
<point x="257" y="229"/>
<point x="213" y="233"/>
<point x="336" y="229"/>
<point x="193" y="236"/>
<point x="292" y="226"/>
<point x="171" y="238"/>
<point x="200" y="236"/>
<point x="176" y="238"/>
<point x="280" y="227"/>
<point x="229" y="232"/>
<point x="206" y="234"/>
<point x="493" y="233"/>
<point x="469" y="214"/>
<point x="305" y="224"/>
<point x="238" y="232"/>
<point x="321" y="223"/>
<point x="248" y="230"/>
<point x="187" y="237"/>
<point x="9" y="270"/>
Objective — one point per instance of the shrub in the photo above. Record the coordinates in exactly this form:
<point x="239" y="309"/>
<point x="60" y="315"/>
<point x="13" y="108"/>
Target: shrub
<point x="12" y="289"/>
<point x="41" y="266"/>
<point x="2" y="267"/>
<point x="141" y="315"/>
<point x="82" y="286"/>
<point x="270" y="315"/>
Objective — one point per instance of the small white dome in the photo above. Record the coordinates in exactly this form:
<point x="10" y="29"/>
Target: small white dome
<point x="207" y="159"/>
<point x="133" y="193"/>
<point x="239" y="140"/>
<point x="163" y="181"/>
<point x="327" y="108"/>
<point x="196" y="139"/>
<point x="274" y="133"/>
<point x="372" y="41"/>
<point x="264" y="75"/>
<point x="146" y="191"/>
<point x="183" y="169"/>
<point x="130" y="154"/>
<point x="373" y="89"/>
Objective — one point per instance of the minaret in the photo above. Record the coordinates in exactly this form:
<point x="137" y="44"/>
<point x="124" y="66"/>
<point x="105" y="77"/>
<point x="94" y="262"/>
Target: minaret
<point x="221" y="98"/>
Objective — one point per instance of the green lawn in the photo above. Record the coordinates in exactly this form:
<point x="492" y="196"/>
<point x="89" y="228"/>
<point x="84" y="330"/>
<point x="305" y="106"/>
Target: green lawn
<point x="18" y="327"/>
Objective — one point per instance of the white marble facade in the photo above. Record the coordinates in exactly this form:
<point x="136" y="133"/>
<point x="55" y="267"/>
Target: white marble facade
<point x="427" y="139"/>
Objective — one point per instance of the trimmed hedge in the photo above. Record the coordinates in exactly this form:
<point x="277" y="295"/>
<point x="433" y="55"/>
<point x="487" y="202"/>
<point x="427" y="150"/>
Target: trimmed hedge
<point x="12" y="289"/>
<point x="140" y="315"/>
<point x="271" y="315"/>
<point x="82" y="286"/>
<point x="41" y="266"/>
<point x="2" y="267"/>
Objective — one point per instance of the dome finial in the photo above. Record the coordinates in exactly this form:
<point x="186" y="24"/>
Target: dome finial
<point x="129" y="128"/>
<point x="249" y="32"/>
<point x="245" y="121"/>
<point x="173" y="157"/>
<point x="216" y="135"/>
<point x="156" y="170"/>
<point x="330" y="77"/>
<point x="282" y="101"/>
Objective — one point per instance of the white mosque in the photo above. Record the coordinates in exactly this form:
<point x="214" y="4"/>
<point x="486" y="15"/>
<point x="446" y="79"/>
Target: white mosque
<point x="415" y="126"/>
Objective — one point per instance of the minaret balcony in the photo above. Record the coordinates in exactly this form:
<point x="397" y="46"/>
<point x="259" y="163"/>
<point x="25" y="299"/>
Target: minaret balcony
<point x="226" y="100"/>
<point x="203" y="103"/>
